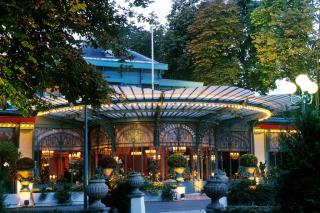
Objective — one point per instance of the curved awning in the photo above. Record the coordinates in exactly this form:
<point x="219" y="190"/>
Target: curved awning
<point x="209" y="103"/>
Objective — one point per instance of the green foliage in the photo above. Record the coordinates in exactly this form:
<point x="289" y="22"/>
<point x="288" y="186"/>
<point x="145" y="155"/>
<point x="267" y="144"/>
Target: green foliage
<point x="25" y="163"/>
<point x="138" y="39"/>
<point x="39" y="51"/>
<point x="167" y="193"/>
<point x="241" y="194"/>
<point x="8" y="153"/>
<point x="176" y="38"/>
<point x="177" y="160"/>
<point x="107" y="162"/>
<point x="117" y="197"/>
<point x="152" y="188"/>
<point x="215" y="44"/>
<point x="283" y="38"/>
<point x="299" y="184"/>
<point x="62" y="194"/>
<point x="248" y="160"/>
<point x="2" y="197"/>
<point x="99" y="174"/>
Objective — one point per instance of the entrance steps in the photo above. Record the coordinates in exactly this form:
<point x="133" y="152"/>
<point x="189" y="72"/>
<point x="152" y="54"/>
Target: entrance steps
<point x="196" y="196"/>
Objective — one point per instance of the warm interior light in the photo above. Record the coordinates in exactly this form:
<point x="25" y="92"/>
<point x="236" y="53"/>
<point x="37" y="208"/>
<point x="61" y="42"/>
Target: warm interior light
<point x="136" y="153"/>
<point x="213" y="157"/>
<point x="312" y="88"/>
<point x="303" y="81"/>
<point x="234" y="155"/>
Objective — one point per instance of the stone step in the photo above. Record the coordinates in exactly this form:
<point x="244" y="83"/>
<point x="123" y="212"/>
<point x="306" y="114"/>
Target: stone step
<point x="196" y="196"/>
<point x="190" y="211"/>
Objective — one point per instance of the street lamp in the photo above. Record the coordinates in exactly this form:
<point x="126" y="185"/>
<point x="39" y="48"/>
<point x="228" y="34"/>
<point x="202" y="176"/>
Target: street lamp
<point x="307" y="87"/>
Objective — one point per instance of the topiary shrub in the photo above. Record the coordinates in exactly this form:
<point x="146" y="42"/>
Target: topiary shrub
<point x="25" y="164"/>
<point x="107" y="162"/>
<point x="177" y="160"/>
<point x="62" y="193"/>
<point x="248" y="160"/>
<point x="117" y="197"/>
<point x="167" y="193"/>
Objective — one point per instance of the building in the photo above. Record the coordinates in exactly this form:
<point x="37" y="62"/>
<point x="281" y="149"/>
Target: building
<point x="211" y="125"/>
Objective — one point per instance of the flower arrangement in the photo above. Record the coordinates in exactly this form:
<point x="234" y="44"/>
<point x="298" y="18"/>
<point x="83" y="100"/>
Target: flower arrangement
<point x="25" y="163"/>
<point x="248" y="160"/>
<point x="177" y="160"/>
<point x="107" y="162"/>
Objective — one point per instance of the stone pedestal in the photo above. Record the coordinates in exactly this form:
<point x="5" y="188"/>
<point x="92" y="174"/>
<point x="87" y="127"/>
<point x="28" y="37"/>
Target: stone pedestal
<point x="180" y="192"/>
<point x="135" y="181"/>
<point x="137" y="205"/>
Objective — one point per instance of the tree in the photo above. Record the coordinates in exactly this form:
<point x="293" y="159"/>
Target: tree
<point x="177" y="36"/>
<point x="39" y="51"/>
<point x="138" y="39"/>
<point x="215" y="44"/>
<point x="299" y="184"/>
<point x="282" y="38"/>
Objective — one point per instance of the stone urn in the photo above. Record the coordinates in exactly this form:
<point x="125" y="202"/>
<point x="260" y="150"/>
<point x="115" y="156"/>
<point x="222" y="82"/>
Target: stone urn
<point x="25" y="177"/>
<point x="25" y="168"/>
<point x="97" y="189"/>
<point x="179" y="174"/>
<point x="135" y="181"/>
<point x="216" y="188"/>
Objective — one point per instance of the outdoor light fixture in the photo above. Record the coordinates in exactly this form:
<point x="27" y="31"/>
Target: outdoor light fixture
<point x="195" y="157"/>
<point x="150" y="152"/>
<point x="213" y="157"/>
<point x="154" y="157"/>
<point x="179" y="148"/>
<point x="135" y="153"/>
<point x="307" y="87"/>
<point x="234" y="155"/>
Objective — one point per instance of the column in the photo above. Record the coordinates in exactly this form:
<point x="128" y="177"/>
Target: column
<point x="25" y="140"/>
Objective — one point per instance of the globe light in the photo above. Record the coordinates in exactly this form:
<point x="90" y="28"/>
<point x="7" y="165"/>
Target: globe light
<point x="303" y="81"/>
<point x="291" y="88"/>
<point x="312" y="88"/>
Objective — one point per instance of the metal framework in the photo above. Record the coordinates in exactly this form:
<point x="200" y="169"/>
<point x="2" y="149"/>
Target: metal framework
<point x="210" y="104"/>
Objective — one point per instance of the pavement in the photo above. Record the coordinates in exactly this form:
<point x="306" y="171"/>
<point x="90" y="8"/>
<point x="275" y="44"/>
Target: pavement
<point x="184" y="206"/>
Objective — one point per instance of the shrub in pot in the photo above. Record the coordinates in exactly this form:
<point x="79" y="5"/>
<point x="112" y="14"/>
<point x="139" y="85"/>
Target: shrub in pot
<point x="178" y="162"/>
<point x="107" y="164"/>
<point x="248" y="165"/>
<point x="25" y="168"/>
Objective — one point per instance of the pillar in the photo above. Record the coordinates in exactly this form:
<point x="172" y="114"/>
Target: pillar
<point x="260" y="146"/>
<point x="25" y="140"/>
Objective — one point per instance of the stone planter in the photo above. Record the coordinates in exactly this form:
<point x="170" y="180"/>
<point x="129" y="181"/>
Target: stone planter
<point x="25" y="177"/>
<point x="179" y="173"/>
<point x="216" y="188"/>
<point x="97" y="189"/>
<point x="135" y="181"/>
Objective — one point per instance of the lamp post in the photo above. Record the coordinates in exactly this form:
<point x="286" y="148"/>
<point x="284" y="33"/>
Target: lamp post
<point x="307" y="87"/>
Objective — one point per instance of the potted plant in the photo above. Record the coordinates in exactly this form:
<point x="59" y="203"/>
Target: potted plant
<point x="178" y="162"/>
<point x="248" y="165"/>
<point x="107" y="164"/>
<point x="25" y="168"/>
<point x="97" y="189"/>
